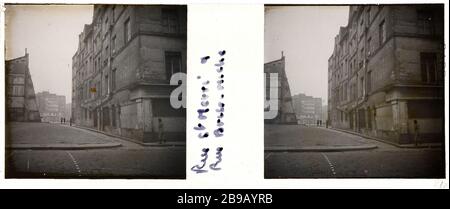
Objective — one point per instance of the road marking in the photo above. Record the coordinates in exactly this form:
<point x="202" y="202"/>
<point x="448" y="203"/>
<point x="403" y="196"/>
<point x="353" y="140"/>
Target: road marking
<point x="75" y="163"/>
<point x="267" y="156"/>
<point x="329" y="163"/>
<point x="28" y="164"/>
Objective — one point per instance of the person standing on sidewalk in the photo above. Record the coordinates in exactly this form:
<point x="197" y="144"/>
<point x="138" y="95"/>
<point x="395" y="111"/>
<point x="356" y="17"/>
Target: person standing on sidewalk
<point x="160" y="131"/>
<point x="416" y="133"/>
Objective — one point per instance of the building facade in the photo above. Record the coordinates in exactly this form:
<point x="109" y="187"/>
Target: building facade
<point x="122" y="70"/>
<point x="308" y="109"/>
<point x="386" y="72"/>
<point x="52" y="107"/>
<point x="276" y="82"/>
<point x="20" y="98"/>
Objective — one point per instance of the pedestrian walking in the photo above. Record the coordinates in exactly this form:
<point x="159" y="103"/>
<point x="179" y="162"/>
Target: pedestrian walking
<point x="160" y="131"/>
<point x="64" y="120"/>
<point x="61" y="120"/>
<point x="416" y="133"/>
<point x="70" y="121"/>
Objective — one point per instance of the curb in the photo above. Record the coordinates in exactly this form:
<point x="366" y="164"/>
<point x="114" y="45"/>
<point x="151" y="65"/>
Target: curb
<point x="320" y="148"/>
<point x="164" y="145"/>
<point x="388" y="142"/>
<point x="132" y="140"/>
<point x="62" y="146"/>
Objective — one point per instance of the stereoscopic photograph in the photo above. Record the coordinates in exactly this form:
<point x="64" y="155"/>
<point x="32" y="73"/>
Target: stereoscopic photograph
<point x="354" y="91"/>
<point x="90" y="91"/>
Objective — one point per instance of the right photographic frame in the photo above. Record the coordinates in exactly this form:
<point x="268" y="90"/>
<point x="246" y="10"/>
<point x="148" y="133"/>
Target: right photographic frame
<point x="354" y="91"/>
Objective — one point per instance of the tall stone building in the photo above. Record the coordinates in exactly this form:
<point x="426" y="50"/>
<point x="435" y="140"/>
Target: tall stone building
<point x="283" y="105"/>
<point x="52" y="107"/>
<point x="386" y="72"/>
<point x="122" y="68"/>
<point x="308" y="109"/>
<point x="20" y="98"/>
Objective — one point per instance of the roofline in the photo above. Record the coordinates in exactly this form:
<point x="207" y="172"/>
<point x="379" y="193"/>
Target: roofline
<point x="282" y="58"/>
<point x="26" y="55"/>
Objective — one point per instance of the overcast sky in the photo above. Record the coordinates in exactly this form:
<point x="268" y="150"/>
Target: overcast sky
<point x="50" y="34"/>
<point x="306" y="35"/>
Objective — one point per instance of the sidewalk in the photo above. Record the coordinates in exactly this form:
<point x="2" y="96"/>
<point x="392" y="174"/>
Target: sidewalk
<point x="154" y="144"/>
<point x="423" y="145"/>
<point x="300" y="138"/>
<point x="46" y="136"/>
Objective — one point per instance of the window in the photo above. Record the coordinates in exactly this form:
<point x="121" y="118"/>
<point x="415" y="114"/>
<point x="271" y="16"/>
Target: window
<point x="425" y="22"/>
<point x="162" y="108"/>
<point x="113" y="13"/>
<point x="106" y="24"/>
<point x="18" y="91"/>
<point x="113" y="79"/>
<point x="345" y="92"/>
<point x="113" y="113"/>
<point x="351" y="67"/>
<point x="362" y="118"/>
<point x="113" y="44"/>
<point x="362" y="86"/>
<point x="173" y="63"/>
<point x="425" y="109"/>
<point x="369" y="81"/>
<point x="17" y="79"/>
<point x="169" y="20"/>
<point x="382" y="32"/>
<point x="106" y="84"/>
<point x="428" y="63"/>
<point x="127" y="30"/>
<point x="361" y="58"/>
<point x="106" y="119"/>
<point x="267" y="86"/>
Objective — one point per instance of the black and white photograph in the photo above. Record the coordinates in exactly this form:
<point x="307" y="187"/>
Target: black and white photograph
<point x="354" y="91"/>
<point x="95" y="91"/>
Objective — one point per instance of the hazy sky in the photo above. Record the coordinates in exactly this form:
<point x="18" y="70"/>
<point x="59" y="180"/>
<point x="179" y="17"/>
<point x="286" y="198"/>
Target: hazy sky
<point x="50" y="34"/>
<point x="306" y="35"/>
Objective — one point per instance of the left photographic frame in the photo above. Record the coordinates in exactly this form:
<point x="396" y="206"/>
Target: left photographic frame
<point x="95" y="91"/>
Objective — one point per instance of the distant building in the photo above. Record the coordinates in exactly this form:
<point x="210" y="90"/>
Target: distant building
<point x="387" y="71"/>
<point x="122" y="68"/>
<point x="20" y="98"/>
<point x="68" y="110"/>
<point x="324" y="114"/>
<point x="285" y="110"/>
<point x="308" y="109"/>
<point x="52" y="107"/>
